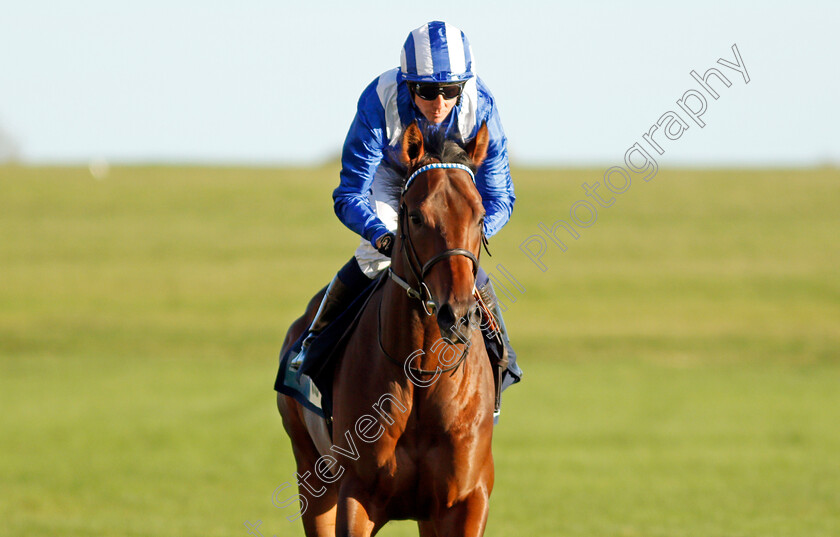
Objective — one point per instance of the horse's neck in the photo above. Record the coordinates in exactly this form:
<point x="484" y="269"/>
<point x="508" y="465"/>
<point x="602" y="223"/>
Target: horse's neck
<point x="403" y="323"/>
<point x="455" y="386"/>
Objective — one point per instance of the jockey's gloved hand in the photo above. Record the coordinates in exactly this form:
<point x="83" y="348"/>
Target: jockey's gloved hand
<point x="385" y="244"/>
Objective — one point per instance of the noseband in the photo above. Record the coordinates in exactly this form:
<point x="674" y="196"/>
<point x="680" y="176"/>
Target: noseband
<point x="410" y="252"/>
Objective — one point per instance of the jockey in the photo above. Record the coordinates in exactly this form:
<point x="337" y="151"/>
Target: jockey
<point x="435" y="86"/>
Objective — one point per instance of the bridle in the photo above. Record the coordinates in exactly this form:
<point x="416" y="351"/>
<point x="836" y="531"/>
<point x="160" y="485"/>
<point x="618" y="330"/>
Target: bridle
<point x="412" y="260"/>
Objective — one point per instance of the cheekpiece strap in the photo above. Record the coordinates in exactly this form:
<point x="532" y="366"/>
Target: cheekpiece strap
<point x="413" y="293"/>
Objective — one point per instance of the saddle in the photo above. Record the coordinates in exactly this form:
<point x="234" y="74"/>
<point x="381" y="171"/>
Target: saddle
<point x="312" y="385"/>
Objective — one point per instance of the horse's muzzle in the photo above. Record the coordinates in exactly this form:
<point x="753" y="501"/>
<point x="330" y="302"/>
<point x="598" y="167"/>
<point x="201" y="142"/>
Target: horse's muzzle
<point x="456" y="325"/>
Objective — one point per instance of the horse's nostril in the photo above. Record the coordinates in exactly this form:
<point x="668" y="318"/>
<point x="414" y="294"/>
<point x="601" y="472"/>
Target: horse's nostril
<point x="445" y="317"/>
<point x="456" y="328"/>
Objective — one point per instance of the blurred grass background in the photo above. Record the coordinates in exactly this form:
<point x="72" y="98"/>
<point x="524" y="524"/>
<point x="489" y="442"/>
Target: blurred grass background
<point x="682" y="358"/>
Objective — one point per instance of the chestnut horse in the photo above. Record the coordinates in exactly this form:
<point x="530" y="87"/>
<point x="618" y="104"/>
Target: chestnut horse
<point x="412" y="419"/>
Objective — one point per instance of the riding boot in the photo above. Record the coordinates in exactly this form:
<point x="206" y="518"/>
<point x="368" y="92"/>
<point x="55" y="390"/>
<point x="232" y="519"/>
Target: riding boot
<point x="342" y="290"/>
<point x="506" y="372"/>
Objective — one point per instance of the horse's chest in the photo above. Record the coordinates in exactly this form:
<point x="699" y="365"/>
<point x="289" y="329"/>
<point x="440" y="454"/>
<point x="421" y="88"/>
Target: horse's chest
<point x="425" y="465"/>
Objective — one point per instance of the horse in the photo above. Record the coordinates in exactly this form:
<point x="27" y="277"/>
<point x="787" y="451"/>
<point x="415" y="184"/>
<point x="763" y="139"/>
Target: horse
<point x="412" y="403"/>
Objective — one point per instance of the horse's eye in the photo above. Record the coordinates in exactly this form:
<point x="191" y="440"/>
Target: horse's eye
<point x="416" y="219"/>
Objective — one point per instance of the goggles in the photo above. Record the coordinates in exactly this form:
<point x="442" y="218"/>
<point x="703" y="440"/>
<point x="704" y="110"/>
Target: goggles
<point x="429" y="91"/>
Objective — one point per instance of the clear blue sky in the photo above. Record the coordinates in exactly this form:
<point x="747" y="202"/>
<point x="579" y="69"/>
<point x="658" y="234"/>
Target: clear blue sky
<point x="270" y="83"/>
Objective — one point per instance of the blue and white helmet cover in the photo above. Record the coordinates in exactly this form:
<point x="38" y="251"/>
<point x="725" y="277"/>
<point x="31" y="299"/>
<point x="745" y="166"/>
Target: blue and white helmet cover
<point x="436" y="52"/>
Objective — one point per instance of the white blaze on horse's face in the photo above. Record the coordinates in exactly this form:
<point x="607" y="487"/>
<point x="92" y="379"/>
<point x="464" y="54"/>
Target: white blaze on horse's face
<point x="445" y="213"/>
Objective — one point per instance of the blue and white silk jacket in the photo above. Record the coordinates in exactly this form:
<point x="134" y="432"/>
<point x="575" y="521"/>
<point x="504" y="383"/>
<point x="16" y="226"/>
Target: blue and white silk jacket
<point x="384" y="110"/>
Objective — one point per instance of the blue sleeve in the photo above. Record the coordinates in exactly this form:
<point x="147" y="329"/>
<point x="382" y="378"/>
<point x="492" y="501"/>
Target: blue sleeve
<point x="362" y="153"/>
<point x="493" y="177"/>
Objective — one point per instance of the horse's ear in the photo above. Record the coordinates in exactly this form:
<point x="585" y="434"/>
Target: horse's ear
<point x="412" y="144"/>
<point x="477" y="148"/>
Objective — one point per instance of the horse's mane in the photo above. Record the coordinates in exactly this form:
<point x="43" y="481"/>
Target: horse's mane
<point x="437" y="148"/>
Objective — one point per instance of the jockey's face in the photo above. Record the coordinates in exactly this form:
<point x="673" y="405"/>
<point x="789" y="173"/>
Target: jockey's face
<point x="435" y="110"/>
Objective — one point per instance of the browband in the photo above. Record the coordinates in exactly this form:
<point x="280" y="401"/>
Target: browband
<point x="428" y="167"/>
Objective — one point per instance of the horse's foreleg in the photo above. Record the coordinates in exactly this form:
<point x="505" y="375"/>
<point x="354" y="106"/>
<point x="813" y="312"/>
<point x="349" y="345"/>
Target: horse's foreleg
<point x="319" y="518"/>
<point x="356" y="516"/>
<point x="427" y="528"/>
<point x="467" y="518"/>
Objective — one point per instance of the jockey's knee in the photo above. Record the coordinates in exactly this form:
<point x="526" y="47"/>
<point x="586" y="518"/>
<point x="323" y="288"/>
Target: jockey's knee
<point x="481" y="279"/>
<point x="352" y="275"/>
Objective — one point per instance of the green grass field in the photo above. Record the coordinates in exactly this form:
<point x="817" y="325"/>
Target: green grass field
<point x="682" y="358"/>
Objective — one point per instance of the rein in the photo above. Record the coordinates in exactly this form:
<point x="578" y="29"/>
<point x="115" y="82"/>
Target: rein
<point x="415" y="370"/>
